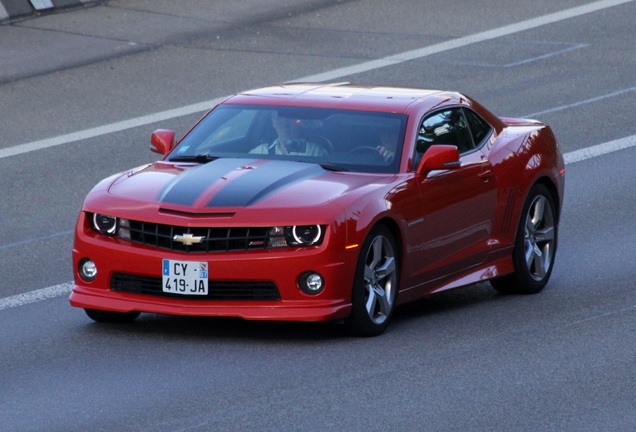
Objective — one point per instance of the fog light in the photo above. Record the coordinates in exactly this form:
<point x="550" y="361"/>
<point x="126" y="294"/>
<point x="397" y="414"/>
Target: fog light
<point x="87" y="270"/>
<point x="311" y="283"/>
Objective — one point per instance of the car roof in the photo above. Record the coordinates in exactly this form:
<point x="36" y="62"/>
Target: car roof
<point x="345" y="96"/>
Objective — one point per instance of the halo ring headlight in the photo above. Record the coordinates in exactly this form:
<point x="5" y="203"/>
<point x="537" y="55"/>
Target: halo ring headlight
<point x="306" y="235"/>
<point x="105" y="224"/>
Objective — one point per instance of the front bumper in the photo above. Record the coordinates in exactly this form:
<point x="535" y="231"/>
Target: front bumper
<point x="281" y="267"/>
<point x="308" y="310"/>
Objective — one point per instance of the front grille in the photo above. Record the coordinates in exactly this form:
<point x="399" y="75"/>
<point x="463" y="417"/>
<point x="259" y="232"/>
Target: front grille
<point x="217" y="290"/>
<point x="209" y="239"/>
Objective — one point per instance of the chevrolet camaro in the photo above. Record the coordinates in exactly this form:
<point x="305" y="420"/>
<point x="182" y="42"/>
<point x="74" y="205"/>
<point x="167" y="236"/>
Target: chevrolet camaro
<point x="323" y="202"/>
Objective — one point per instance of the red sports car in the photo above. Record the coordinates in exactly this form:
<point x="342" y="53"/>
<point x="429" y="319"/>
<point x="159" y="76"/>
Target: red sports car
<point x="315" y="202"/>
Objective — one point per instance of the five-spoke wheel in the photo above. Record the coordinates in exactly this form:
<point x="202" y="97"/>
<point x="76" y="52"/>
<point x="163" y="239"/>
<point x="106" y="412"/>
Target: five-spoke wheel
<point x="539" y="238"/>
<point x="535" y="245"/>
<point x="375" y="286"/>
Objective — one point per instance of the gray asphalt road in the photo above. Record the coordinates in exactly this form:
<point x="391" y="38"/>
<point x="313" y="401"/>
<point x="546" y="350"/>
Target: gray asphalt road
<point x="463" y="360"/>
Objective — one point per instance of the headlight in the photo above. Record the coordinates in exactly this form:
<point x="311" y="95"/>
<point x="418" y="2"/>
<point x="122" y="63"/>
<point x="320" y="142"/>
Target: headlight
<point x="111" y="226"/>
<point x="305" y="235"/>
<point x="297" y="235"/>
<point x="104" y="224"/>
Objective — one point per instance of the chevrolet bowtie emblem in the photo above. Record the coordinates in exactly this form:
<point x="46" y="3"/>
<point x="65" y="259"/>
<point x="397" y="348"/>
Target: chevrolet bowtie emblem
<point x="188" y="239"/>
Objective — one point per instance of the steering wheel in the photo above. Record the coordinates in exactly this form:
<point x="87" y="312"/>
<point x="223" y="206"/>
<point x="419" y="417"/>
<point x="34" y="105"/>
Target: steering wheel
<point x="322" y="142"/>
<point x="368" y="155"/>
<point x="363" y="149"/>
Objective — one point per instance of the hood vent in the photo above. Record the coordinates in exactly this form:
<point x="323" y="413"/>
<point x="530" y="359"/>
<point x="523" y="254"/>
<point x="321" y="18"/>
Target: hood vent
<point x="197" y="214"/>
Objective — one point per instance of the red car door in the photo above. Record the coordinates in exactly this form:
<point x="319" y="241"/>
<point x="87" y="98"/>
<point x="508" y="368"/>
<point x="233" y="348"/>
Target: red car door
<point x="457" y="208"/>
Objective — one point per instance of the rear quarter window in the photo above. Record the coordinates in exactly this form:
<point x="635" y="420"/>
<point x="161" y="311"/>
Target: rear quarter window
<point x="479" y="128"/>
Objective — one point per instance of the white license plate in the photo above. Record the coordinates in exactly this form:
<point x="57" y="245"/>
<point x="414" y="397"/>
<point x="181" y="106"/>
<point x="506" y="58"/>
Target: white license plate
<point x="185" y="277"/>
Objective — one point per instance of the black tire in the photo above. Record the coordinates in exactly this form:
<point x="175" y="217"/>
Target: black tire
<point x="103" y="316"/>
<point x="375" y="284"/>
<point x="535" y="245"/>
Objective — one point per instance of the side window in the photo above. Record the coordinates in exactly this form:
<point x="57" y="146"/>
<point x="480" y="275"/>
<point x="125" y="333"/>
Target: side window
<point x="444" y="127"/>
<point x="478" y="126"/>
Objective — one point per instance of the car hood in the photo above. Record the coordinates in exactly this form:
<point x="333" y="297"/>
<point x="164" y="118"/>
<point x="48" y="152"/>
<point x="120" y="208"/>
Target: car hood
<point x="232" y="184"/>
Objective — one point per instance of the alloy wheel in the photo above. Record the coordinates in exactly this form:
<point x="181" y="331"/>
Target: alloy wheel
<point x="539" y="238"/>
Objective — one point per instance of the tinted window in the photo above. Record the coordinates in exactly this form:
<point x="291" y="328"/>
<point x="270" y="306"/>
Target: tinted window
<point x="349" y="140"/>
<point x="227" y="126"/>
<point x="478" y="126"/>
<point x="444" y="127"/>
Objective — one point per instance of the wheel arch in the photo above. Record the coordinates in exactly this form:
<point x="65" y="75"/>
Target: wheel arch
<point x="521" y="200"/>
<point x="367" y="311"/>
<point x="519" y="282"/>
<point x="395" y="231"/>
<point x="554" y="192"/>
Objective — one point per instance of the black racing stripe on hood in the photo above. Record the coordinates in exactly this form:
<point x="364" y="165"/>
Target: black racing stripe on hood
<point x="188" y="186"/>
<point x="262" y="181"/>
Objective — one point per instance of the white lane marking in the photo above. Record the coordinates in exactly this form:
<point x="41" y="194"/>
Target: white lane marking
<point x="545" y="56"/>
<point x="329" y="75"/>
<point x="599" y="316"/>
<point x="466" y="40"/>
<point x="583" y="102"/>
<point x="109" y="128"/>
<point x="600" y="149"/>
<point x="36" y="296"/>
<point x="65" y="288"/>
<point x="569" y="47"/>
<point x="35" y="240"/>
<point x="3" y="13"/>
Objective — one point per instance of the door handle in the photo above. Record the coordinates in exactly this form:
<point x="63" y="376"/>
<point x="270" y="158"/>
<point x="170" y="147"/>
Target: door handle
<point x="485" y="176"/>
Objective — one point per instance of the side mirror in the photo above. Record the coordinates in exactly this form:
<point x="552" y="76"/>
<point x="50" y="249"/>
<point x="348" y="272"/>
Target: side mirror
<point x="439" y="157"/>
<point x="162" y="141"/>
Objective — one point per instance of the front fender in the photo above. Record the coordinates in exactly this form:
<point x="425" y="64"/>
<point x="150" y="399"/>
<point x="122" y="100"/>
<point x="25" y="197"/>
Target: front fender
<point x="385" y="207"/>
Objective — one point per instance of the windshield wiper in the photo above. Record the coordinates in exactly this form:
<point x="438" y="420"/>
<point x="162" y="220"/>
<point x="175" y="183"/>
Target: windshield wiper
<point x="200" y="158"/>
<point x="333" y="167"/>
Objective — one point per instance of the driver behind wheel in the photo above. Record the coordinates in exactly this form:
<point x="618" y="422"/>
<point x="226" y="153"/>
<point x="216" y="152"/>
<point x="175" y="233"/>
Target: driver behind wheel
<point x="288" y="142"/>
<point x="388" y="144"/>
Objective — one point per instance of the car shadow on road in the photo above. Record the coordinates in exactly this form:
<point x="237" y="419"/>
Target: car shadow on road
<point x="225" y="328"/>
<point x="447" y="301"/>
<point x="212" y="328"/>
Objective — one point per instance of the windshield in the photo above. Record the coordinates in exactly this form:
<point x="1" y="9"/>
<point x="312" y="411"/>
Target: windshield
<point x="342" y="140"/>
